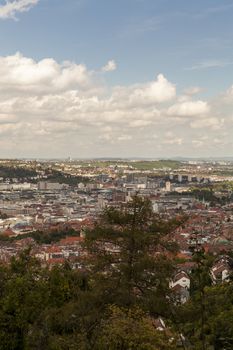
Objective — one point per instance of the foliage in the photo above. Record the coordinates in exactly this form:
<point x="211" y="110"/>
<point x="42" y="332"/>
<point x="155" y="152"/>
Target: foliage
<point x="16" y="172"/>
<point x="131" y="329"/>
<point x="208" y="194"/>
<point x="206" y="319"/>
<point x="117" y="294"/>
<point x="62" y="178"/>
<point x="114" y="302"/>
<point x="43" y="237"/>
<point x="128" y="256"/>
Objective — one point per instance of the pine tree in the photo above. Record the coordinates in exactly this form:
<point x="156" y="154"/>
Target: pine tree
<point x="128" y="262"/>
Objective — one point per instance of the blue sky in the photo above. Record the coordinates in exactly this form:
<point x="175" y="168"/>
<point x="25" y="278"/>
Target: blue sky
<point x="188" y="42"/>
<point x="145" y="37"/>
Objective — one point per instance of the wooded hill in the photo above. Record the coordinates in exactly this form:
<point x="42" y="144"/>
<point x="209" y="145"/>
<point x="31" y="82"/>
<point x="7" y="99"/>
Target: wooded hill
<point x="120" y="299"/>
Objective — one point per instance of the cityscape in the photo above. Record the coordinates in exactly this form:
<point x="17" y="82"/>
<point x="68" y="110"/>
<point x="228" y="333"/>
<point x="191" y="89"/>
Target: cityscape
<point x="68" y="196"/>
<point x="116" y="175"/>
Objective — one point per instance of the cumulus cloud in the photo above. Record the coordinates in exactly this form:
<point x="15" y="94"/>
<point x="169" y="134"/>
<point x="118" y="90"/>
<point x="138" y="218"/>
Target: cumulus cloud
<point x="110" y="66"/>
<point x="143" y="95"/>
<point x="213" y="123"/>
<point x="22" y="74"/>
<point x="11" y="8"/>
<point x="228" y="97"/>
<point x="49" y="108"/>
<point x="158" y="91"/>
<point x="189" y="109"/>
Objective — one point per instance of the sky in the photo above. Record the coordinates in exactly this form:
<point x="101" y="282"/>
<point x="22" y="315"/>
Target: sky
<point x="116" y="78"/>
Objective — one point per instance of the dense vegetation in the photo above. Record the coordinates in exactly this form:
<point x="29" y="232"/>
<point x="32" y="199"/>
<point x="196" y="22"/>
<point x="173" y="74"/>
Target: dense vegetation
<point x="43" y="237"/>
<point x="16" y="172"/>
<point x="208" y="194"/>
<point x="60" y="177"/>
<point x="113" y="302"/>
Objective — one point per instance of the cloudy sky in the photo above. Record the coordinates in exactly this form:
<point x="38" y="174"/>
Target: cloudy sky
<point x="116" y="78"/>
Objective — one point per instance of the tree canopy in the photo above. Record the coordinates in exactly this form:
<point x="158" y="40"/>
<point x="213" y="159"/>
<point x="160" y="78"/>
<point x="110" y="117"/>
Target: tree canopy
<point x="117" y="298"/>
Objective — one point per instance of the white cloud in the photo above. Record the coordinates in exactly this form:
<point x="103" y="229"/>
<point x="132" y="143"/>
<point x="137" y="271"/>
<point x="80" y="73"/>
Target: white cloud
<point x="113" y="138"/>
<point x="110" y="66"/>
<point x="189" y="109"/>
<point x="193" y="90"/>
<point x="201" y="141"/>
<point x="210" y="64"/>
<point x="229" y="95"/>
<point x="124" y="138"/>
<point x="173" y="141"/>
<point x="169" y="134"/>
<point x="198" y="143"/>
<point x="106" y="137"/>
<point x="11" y="8"/>
<point x="138" y="123"/>
<point x="19" y="74"/>
<point x="141" y="95"/>
<point x="158" y="91"/>
<point x="212" y="123"/>
<point x="54" y="109"/>
<point x="7" y="119"/>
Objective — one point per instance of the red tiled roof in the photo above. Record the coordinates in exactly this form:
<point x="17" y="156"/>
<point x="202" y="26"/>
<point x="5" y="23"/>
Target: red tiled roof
<point x="183" y="256"/>
<point x="8" y="232"/>
<point x="56" y="261"/>
<point x="71" y="240"/>
<point x="54" y="249"/>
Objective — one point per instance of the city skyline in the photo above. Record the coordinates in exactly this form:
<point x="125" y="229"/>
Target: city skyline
<point x="142" y="78"/>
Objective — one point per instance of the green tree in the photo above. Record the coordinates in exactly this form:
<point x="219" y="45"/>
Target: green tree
<point x="131" y="329"/>
<point x="23" y="296"/>
<point x="128" y="265"/>
<point x="61" y="308"/>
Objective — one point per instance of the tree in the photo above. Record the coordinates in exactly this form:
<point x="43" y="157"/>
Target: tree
<point x="132" y="329"/>
<point x="128" y="263"/>
<point x="121" y="291"/>
<point x="23" y="296"/>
